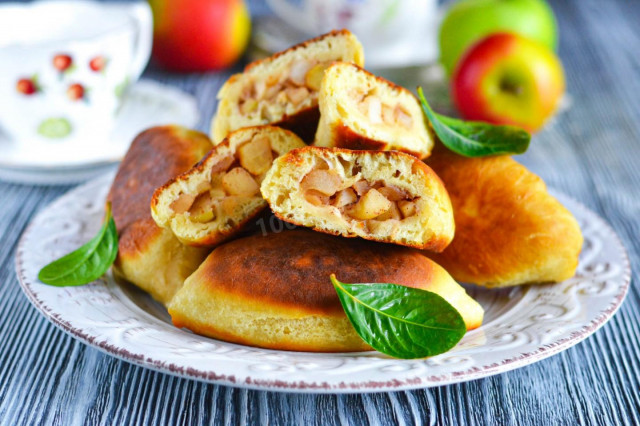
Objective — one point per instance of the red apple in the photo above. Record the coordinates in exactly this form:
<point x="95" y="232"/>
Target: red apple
<point x="199" y="35"/>
<point x="508" y="79"/>
<point x="75" y="92"/>
<point x="26" y="86"/>
<point x="62" y="62"/>
<point x="97" y="63"/>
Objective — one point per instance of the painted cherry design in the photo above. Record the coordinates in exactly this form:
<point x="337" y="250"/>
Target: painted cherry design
<point x="98" y="63"/>
<point x="75" y="92"/>
<point x="62" y="62"/>
<point x="26" y="86"/>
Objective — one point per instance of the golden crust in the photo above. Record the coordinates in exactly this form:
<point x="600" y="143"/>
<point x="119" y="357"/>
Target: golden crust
<point x="222" y="225"/>
<point x="432" y="228"/>
<point x="343" y="124"/>
<point x="509" y="230"/>
<point x="280" y="295"/>
<point x="154" y="156"/>
<point x="302" y="45"/>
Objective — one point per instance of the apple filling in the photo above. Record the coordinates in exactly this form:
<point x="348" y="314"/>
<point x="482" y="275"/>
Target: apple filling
<point x="233" y="179"/>
<point x="298" y="86"/>
<point x="379" y="112"/>
<point x="363" y="200"/>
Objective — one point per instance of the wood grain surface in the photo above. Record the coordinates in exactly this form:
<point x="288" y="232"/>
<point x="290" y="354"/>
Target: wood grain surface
<point x="591" y="152"/>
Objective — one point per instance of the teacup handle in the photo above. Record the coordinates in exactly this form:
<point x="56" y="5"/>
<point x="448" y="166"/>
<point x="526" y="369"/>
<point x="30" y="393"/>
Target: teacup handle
<point x="141" y="12"/>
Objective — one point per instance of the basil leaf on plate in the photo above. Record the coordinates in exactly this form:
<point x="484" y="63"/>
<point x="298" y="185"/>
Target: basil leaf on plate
<point x="400" y="321"/>
<point x="475" y="138"/>
<point x="88" y="263"/>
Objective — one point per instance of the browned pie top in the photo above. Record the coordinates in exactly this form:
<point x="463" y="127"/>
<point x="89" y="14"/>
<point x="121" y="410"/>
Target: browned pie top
<point x="155" y="156"/>
<point x="293" y="268"/>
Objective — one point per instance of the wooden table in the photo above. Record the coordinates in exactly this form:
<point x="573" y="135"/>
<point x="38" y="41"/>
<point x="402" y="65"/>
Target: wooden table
<point x="590" y="152"/>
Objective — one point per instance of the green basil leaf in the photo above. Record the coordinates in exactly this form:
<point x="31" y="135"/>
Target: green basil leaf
<point x="400" y="321"/>
<point x="475" y="138"/>
<point x="86" y="264"/>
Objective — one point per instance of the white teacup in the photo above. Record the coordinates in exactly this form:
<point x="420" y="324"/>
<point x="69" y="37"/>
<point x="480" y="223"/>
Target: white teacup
<point x="389" y="29"/>
<point x="64" y="66"/>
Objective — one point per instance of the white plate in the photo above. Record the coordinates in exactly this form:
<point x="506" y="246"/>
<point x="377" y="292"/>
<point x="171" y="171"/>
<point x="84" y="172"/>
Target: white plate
<point x="522" y="325"/>
<point x="147" y="104"/>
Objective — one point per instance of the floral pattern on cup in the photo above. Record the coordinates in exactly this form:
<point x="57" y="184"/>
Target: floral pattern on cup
<point x="76" y="92"/>
<point x="67" y="71"/>
<point x="28" y="86"/>
<point x="55" y="128"/>
<point x="63" y="63"/>
<point x="98" y="64"/>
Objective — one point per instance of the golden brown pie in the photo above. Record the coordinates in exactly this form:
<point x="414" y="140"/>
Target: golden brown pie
<point x="274" y="291"/>
<point x="148" y="256"/>
<point x="509" y="230"/>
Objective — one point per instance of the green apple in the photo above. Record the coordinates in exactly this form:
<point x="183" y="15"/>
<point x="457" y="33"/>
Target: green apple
<point x="468" y="21"/>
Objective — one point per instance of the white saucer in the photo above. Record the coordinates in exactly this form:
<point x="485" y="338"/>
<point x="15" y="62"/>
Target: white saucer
<point x="54" y="163"/>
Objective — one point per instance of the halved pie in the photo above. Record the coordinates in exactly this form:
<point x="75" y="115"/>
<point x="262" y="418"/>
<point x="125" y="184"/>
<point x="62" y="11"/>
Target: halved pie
<point x="361" y="111"/>
<point x="212" y="201"/>
<point x="384" y="196"/>
<point x="283" y="89"/>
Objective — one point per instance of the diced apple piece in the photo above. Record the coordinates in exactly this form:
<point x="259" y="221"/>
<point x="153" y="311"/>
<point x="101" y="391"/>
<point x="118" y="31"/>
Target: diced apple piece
<point x="371" y="205"/>
<point x="201" y="211"/>
<point x="202" y="216"/>
<point x="238" y="181"/>
<point x="217" y="193"/>
<point x="407" y="208"/>
<point x="203" y="186"/>
<point x="345" y="197"/>
<point x="230" y="204"/>
<point x="249" y="106"/>
<point x="325" y="181"/>
<point x="403" y="117"/>
<point x="222" y="165"/>
<point x="272" y="91"/>
<point x="387" y="114"/>
<point x="393" y="193"/>
<point x="255" y="156"/>
<point x="313" y="79"/>
<point x="297" y="94"/>
<point x="361" y="187"/>
<point x="374" y="109"/>
<point x="282" y="97"/>
<point x="259" y="88"/>
<point x="298" y="72"/>
<point x="316" y="198"/>
<point x="246" y="93"/>
<point x="182" y="203"/>
<point x="392" y="213"/>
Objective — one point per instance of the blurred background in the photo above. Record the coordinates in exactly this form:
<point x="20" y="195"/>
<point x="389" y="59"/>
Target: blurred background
<point x="71" y="97"/>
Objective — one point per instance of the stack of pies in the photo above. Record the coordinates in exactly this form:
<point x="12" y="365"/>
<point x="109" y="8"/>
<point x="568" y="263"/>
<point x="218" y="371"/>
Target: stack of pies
<point x="366" y="201"/>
